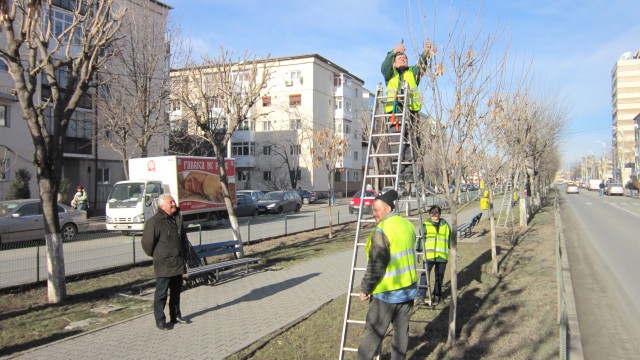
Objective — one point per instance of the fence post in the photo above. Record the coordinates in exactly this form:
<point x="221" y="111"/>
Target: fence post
<point x="133" y="245"/>
<point x="37" y="263"/>
<point x="314" y="220"/>
<point x="285" y="225"/>
<point x="249" y="231"/>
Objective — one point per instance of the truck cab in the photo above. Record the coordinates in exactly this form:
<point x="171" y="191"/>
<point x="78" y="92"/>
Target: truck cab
<point x="130" y="203"/>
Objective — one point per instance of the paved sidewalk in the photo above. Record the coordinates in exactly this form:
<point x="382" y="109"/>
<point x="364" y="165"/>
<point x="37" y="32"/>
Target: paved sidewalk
<point x="225" y="318"/>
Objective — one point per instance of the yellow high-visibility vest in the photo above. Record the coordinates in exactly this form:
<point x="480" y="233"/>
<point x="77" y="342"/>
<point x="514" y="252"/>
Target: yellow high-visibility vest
<point x="401" y="270"/>
<point x="437" y="243"/>
<point x="415" y="102"/>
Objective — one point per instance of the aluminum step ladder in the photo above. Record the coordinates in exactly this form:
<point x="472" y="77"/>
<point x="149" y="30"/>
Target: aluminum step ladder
<point x="386" y="132"/>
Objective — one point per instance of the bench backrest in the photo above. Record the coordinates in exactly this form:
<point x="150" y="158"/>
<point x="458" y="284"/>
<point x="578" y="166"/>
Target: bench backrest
<point x="219" y="248"/>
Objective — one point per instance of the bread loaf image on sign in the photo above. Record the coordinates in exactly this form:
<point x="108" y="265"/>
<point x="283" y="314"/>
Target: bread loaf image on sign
<point x="205" y="185"/>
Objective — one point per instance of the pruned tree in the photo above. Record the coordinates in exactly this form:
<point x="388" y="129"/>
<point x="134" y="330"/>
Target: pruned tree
<point x="457" y="83"/>
<point x="19" y="186"/>
<point x="67" y="59"/>
<point x="329" y="149"/>
<point x="132" y="103"/>
<point x="216" y="95"/>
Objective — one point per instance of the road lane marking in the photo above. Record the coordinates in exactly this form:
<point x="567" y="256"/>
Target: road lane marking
<point x="623" y="209"/>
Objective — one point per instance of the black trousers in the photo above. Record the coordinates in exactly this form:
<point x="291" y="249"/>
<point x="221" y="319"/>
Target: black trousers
<point x="379" y="316"/>
<point x="440" y="268"/>
<point x="172" y="286"/>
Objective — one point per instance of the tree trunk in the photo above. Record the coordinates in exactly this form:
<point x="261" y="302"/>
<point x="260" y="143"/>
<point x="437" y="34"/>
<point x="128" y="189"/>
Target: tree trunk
<point x="453" y="266"/>
<point x="494" y="254"/>
<point x="56" y="285"/>
<point x="224" y="182"/>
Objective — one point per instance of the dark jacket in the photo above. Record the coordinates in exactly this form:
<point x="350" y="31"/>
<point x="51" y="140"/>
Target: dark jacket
<point x="166" y="241"/>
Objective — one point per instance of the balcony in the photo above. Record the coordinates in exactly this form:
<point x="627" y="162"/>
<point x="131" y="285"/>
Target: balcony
<point x="245" y="161"/>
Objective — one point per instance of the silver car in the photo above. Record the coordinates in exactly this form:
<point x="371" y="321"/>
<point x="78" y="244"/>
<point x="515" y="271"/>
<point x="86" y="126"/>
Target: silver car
<point x="22" y="220"/>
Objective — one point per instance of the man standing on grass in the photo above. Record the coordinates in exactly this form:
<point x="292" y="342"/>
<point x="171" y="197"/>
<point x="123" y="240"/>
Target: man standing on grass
<point x="390" y="282"/>
<point x="165" y="240"/>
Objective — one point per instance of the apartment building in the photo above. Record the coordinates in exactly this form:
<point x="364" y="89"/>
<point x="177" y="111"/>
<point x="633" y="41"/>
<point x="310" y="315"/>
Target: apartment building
<point x="87" y="160"/>
<point x="304" y="94"/>
<point x="625" y="84"/>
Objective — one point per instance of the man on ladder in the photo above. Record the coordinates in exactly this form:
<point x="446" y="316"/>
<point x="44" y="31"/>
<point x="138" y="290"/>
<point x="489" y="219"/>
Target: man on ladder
<point x="390" y="281"/>
<point x="396" y="71"/>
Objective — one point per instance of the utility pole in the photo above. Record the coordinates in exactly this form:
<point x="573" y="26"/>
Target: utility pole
<point x="604" y="157"/>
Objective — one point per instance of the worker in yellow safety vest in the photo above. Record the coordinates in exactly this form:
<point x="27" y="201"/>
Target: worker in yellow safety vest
<point x="437" y="235"/>
<point x="390" y="282"/>
<point x="395" y="70"/>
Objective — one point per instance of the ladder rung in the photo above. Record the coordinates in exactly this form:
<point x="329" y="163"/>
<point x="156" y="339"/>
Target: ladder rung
<point x="380" y="176"/>
<point x="383" y="155"/>
<point x="350" y="349"/>
<point x="359" y="269"/>
<point x="361" y="244"/>
<point x="356" y="322"/>
<point x="385" y="134"/>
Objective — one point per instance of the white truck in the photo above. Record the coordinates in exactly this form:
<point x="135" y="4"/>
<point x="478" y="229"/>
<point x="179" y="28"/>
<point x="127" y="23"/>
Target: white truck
<point x="194" y="182"/>
<point x="594" y="184"/>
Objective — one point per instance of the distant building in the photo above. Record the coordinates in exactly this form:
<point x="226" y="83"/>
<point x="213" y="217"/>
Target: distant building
<point x="304" y="93"/>
<point x="625" y="90"/>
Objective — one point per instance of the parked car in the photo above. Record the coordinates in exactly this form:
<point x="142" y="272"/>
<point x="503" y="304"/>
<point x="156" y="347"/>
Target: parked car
<point x="255" y="194"/>
<point x="306" y="196"/>
<point x="354" y="204"/>
<point x="278" y="202"/>
<point x="614" y="189"/>
<point x="22" y="220"/>
<point x="572" y="188"/>
<point x="246" y="206"/>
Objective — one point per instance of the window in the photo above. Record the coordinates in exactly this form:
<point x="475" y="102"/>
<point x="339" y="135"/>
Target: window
<point x="347" y="129"/>
<point x="295" y="100"/>
<point x="214" y="102"/>
<point x="266" y="101"/>
<point x="337" y="80"/>
<point x="243" y="149"/>
<point x="266" y="176"/>
<point x="103" y="176"/>
<point x="296" y="75"/>
<point x="347" y="105"/>
<point x="5" y="165"/>
<point x="62" y="20"/>
<point x="266" y="150"/>
<point x="175" y="105"/>
<point x="266" y="126"/>
<point x="336" y="176"/>
<point x="30" y="209"/>
<point x="295" y="124"/>
<point x="246" y="125"/>
<point x="4" y="116"/>
<point x="3" y="66"/>
<point x="338" y="103"/>
<point x="297" y="174"/>
<point x="295" y="149"/>
<point x="243" y="175"/>
<point x="355" y="155"/>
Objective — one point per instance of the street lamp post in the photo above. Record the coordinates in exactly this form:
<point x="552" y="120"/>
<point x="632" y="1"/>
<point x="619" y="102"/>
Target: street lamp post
<point x="604" y="151"/>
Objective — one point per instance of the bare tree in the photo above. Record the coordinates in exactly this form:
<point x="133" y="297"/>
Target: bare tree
<point x="67" y="59"/>
<point x="217" y="95"/>
<point x="132" y="104"/>
<point x="458" y="81"/>
<point x="329" y="150"/>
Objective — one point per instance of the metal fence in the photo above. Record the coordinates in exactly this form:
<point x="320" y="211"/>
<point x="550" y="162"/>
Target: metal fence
<point x="26" y="262"/>
<point x="562" y="302"/>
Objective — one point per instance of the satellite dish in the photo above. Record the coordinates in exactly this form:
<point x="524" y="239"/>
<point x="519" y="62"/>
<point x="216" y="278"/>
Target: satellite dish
<point x="625" y="56"/>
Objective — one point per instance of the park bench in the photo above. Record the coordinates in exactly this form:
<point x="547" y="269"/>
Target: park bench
<point x="200" y="271"/>
<point x="465" y="230"/>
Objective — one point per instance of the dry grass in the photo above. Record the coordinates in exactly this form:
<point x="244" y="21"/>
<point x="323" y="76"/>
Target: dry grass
<point x="509" y="315"/>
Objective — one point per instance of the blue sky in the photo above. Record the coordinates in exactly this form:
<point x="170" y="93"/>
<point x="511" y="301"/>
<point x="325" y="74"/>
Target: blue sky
<point x="573" y="45"/>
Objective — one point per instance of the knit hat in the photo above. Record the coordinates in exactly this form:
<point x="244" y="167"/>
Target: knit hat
<point x="389" y="197"/>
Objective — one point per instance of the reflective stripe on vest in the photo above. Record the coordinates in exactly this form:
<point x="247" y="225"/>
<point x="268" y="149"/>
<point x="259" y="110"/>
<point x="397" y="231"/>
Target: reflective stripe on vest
<point x="436" y="244"/>
<point x="415" y="102"/>
<point x="401" y="270"/>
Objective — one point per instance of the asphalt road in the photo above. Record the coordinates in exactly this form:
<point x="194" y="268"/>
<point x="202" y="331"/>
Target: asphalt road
<point x="603" y="247"/>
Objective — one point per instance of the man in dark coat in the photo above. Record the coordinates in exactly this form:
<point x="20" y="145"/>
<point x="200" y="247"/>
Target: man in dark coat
<point x="165" y="240"/>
